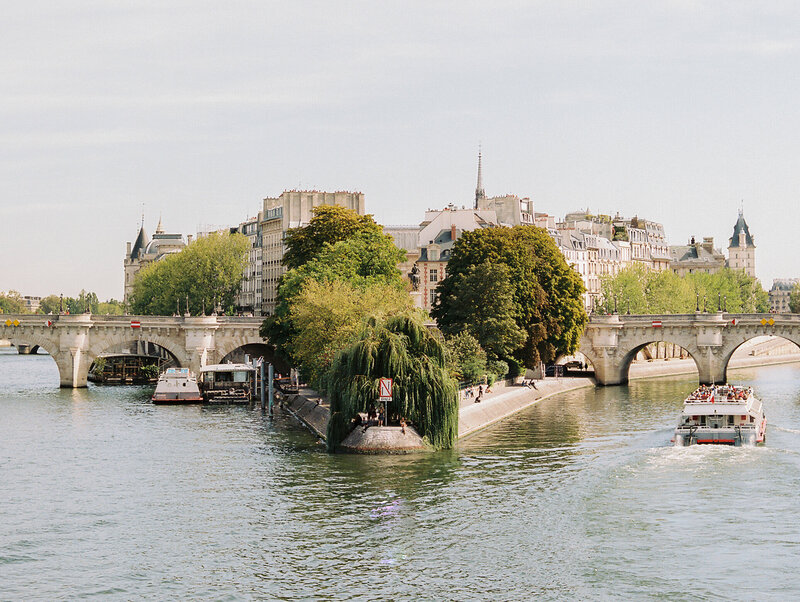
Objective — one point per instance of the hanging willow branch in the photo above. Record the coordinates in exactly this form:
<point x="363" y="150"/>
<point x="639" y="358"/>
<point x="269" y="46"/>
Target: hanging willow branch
<point x="403" y="349"/>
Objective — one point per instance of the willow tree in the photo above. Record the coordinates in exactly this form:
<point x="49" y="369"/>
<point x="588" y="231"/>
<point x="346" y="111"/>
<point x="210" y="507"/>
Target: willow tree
<point x="403" y="349"/>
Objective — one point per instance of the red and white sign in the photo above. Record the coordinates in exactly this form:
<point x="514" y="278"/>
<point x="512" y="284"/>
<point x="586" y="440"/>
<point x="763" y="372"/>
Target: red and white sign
<point x="385" y="389"/>
<point x="734" y="322"/>
<point x="136" y="324"/>
<point x="656" y="323"/>
<point x="49" y="323"/>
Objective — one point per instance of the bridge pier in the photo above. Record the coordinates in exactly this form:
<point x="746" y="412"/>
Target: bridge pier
<point x="711" y="368"/>
<point x="608" y="371"/>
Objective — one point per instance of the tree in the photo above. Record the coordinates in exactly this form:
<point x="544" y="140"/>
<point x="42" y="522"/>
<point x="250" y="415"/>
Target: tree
<point x="366" y="259"/>
<point x="648" y="292"/>
<point x="208" y="272"/>
<point x="12" y="303"/>
<point x="794" y="299"/>
<point x="485" y="309"/>
<point x="547" y="293"/>
<point x="112" y="307"/>
<point x="51" y="304"/>
<point x="330" y="224"/>
<point x="465" y="357"/>
<point x="401" y="348"/>
<point x="326" y="315"/>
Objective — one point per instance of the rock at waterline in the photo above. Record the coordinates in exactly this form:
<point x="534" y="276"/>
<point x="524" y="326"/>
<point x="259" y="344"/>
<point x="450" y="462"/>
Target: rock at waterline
<point x="383" y="440"/>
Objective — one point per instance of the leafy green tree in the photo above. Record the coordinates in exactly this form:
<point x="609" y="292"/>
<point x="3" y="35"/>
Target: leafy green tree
<point x="51" y="304"/>
<point x="326" y="316"/>
<point x="12" y="303"/>
<point x="112" y="307"/>
<point x="794" y="299"/>
<point x="649" y="292"/>
<point x="329" y="225"/>
<point x="207" y="272"/>
<point x="366" y="259"/>
<point x="547" y="292"/>
<point x="404" y="349"/>
<point x="465" y="357"/>
<point x="85" y="302"/>
<point x="485" y="309"/>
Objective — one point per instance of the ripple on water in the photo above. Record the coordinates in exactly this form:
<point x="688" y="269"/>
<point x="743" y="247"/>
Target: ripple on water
<point x="581" y="497"/>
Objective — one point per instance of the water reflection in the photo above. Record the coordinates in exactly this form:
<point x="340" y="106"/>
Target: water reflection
<point x="580" y="496"/>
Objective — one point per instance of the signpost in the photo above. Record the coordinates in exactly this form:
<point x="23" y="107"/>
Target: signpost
<point x="656" y="323"/>
<point x="136" y="324"/>
<point x="385" y="396"/>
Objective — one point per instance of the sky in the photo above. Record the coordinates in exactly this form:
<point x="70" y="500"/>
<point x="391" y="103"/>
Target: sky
<point x="194" y="111"/>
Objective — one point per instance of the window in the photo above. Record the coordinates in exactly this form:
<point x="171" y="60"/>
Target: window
<point x="434" y="275"/>
<point x="433" y="298"/>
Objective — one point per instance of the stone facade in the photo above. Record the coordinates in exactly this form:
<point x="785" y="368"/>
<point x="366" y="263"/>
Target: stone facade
<point x="248" y="301"/>
<point x="780" y="294"/>
<point x="742" y="248"/>
<point x="145" y="251"/>
<point x="696" y="257"/>
<point x="292" y="209"/>
<point x="437" y="234"/>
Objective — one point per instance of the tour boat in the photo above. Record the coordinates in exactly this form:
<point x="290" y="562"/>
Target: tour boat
<point x="722" y="414"/>
<point x="177" y="385"/>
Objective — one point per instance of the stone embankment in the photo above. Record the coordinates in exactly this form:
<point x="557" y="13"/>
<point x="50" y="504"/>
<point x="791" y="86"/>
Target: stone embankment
<point x="503" y="401"/>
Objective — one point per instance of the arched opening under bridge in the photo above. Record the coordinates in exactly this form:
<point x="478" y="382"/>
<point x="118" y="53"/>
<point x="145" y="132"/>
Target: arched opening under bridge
<point x="137" y="361"/>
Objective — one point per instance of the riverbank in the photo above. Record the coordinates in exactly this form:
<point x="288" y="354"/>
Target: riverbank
<point x="504" y="401"/>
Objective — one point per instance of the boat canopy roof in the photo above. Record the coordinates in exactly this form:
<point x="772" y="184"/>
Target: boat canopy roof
<point x="720" y="408"/>
<point x="227" y="368"/>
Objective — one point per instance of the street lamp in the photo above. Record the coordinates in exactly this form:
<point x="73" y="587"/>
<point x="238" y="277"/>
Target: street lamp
<point x="615" y="304"/>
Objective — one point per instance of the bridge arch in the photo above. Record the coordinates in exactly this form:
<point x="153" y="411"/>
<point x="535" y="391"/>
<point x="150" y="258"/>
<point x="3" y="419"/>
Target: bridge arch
<point x="104" y="343"/>
<point x="63" y="361"/>
<point x="734" y="343"/>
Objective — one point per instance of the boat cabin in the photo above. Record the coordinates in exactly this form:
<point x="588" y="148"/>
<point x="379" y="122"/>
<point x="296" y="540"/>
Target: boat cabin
<point x="228" y="383"/>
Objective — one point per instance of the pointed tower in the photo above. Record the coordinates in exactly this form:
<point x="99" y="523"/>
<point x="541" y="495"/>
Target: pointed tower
<point x="742" y="248"/>
<point x="480" y="193"/>
<point x="159" y="227"/>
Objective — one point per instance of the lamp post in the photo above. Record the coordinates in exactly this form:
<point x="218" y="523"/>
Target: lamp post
<point x="615" y="304"/>
<point x="697" y="306"/>
<point x="705" y="308"/>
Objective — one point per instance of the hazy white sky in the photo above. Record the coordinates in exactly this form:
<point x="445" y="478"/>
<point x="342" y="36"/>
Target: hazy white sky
<point x="675" y="111"/>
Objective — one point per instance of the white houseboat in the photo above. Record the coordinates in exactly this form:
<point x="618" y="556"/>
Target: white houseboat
<point x="722" y="414"/>
<point x="177" y="385"/>
<point x="228" y="383"/>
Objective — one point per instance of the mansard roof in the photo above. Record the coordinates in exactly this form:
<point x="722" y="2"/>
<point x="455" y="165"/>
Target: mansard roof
<point x="741" y="226"/>
<point x="141" y="242"/>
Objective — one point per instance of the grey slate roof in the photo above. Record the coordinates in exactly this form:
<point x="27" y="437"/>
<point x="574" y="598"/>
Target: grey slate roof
<point x="141" y="242"/>
<point x="740" y="226"/>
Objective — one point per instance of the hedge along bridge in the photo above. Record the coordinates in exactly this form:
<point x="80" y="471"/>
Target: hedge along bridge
<point x="611" y="342"/>
<point x="75" y="341"/>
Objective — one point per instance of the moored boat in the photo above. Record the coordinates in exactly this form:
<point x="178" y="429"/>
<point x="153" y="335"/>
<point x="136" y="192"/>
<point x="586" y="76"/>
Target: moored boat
<point x="228" y="383"/>
<point x="723" y="415"/>
<point x="177" y="385"/>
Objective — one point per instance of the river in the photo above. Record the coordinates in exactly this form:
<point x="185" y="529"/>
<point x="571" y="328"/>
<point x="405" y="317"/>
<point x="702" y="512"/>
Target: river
<point x="103" y="495"/>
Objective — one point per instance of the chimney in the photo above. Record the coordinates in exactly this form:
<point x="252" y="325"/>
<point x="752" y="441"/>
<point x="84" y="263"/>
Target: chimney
<point x="129" y="249"/>
<point x="708" y="243"/>
<point x="453" y="232"/>
<point x="189" y="238"/>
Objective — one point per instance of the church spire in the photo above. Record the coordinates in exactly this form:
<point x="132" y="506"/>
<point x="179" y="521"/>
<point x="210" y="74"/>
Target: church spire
<point x="480" y="193"/>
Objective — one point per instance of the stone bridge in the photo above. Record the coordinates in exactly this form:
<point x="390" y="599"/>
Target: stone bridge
<point x="611" y="342"/>
<point x="75" y="341"/>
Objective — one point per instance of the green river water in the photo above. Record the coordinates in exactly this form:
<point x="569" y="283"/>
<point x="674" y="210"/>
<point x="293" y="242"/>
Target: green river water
<point x="103" y="495"/>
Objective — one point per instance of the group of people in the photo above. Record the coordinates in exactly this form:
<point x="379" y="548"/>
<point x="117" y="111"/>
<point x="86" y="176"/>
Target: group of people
<point x="377" y="417"/>
<point x="476" y="392"/>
